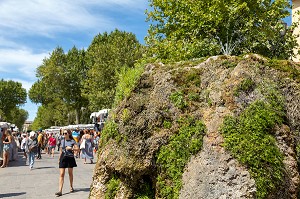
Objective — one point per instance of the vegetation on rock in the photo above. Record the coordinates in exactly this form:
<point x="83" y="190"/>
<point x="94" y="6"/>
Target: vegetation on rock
<point x="173" y="157"/>
<point x="250" y="139"/>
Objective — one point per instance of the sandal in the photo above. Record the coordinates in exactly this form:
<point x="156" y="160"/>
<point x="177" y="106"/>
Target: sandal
<point x="72" y="190"/>
<point x="58" y="194"/>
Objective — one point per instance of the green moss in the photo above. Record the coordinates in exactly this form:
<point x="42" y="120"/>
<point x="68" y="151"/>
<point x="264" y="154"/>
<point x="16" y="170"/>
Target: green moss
<point x="229" y="64"/>
<point x="292" y="69"/>
<point x="167" y="124"/>
<point x="178" y="100"/>
<point x="125" y="115"/>
<point x="112" y="186"/>
<point x="247" y="85"/>
<point x="187" y="77"/>
<point x="194" y="96"/>
<point x="173" y="157"/>
<point x="250" y="140"/>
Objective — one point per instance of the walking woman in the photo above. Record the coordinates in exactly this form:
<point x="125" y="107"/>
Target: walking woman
<point x="7" y="139"/>
<point x="67" y="160"/>
<point x="31" y="147"/>
<point x="87" y="146"/>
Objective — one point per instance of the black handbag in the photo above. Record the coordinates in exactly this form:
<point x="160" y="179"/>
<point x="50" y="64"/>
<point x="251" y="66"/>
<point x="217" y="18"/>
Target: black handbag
<point x="66" y="153"/>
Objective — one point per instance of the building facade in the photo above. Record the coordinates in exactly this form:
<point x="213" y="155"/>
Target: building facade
<point x="295" y="18"/>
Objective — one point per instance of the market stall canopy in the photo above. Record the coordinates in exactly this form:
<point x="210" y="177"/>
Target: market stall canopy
<point x="4" y="125"/>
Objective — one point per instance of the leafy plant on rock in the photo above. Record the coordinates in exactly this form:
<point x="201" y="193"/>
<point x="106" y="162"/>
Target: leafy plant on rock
<point x="250" y="140"/>
<point x="173" y="157"/>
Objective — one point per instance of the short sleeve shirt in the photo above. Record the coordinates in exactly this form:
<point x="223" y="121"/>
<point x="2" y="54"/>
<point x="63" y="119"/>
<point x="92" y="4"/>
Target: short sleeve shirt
<point x="66" y="143"/>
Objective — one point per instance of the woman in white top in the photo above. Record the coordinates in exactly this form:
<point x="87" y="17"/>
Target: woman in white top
<point x="23" y="143"/>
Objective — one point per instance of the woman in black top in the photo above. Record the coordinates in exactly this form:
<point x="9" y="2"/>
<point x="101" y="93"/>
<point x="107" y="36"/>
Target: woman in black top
<point x="67" y="160"/>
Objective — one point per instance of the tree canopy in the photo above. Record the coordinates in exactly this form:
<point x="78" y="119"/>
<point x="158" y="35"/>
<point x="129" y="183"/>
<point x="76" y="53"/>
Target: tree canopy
<point x="107" y="54"/>
<point x="187" y="29"/>
<point x="71" y="85"/>
<point x="12" y="97"/>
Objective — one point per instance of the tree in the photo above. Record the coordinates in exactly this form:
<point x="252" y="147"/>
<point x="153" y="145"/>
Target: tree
<point x="105" y="57"/>
<point x="60" y="81"/>
<point x="75" y="72"/>
<point x="18" y="117"/>
<point x="12" y="96"/>
<point x="188" y="29"/>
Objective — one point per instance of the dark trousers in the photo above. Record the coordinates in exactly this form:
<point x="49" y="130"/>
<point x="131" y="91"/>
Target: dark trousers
<point x="39" y="156"/>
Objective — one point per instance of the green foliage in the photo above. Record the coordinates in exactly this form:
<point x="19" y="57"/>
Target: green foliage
<point x="145" y="191"/>
<point x="167" y="124"/>
<point x="108" y="54"/>
<point x="173" y="157"/>
<point x="292" y="69"/>
<point x="229" y="64"/>
<point x="187" y="78"/>
<point x="186" y="29"/>
<point x="178" y="100"/>
<point x="250" y="140"/>
<point x="18" y="117"/>
<point x="247" y="85"/>
<point x="125" y="115"/>
<point x="110" y="131"/>
<point x="128" y="78"/>
<point x="194" y="96"/>
<point x="12" y="96"/>
<point x="112" y="186"/>
<point x="60" y="77"/>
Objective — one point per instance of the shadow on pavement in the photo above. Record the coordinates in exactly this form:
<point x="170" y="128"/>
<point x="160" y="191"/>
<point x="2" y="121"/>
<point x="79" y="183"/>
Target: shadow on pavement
<point x="8" y="195"/>
<point x="43" y="167"/>
<point x="82" y="189"/>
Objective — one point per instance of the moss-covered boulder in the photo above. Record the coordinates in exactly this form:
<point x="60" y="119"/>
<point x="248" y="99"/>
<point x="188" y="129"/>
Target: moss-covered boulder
<point x="223" y="127"/>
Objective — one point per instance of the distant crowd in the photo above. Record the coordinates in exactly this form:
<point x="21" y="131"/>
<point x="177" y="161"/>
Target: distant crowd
<point x="13" y="142"/>
<point x="71" y="144"/>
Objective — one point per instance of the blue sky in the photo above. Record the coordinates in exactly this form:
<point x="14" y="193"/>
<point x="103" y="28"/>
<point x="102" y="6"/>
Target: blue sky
<point x="31" y="29"/>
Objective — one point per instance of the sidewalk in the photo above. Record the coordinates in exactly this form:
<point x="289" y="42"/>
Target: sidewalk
<point x="18" y="182"/>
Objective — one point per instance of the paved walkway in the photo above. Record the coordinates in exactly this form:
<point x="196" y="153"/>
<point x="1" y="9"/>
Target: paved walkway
<point x="18" y="182"/>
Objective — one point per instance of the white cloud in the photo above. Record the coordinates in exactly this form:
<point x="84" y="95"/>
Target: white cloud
<point x="46" y="17"/>
<point x="20" y="62"/>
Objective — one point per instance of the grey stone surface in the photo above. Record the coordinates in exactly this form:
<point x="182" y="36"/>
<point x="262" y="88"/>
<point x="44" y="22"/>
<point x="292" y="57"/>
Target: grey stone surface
<point x="19" y="182"/>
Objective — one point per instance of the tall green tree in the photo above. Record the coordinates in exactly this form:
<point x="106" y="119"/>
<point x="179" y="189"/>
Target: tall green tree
<point x="105" y="57"/>
<point x="187" y="29"/>
<point x="12" y="96"/>
<point x="18" y="117"/>
<point x="60" y="80"/>
<point x="75" y="72"/>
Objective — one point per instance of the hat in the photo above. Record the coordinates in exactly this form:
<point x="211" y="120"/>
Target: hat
<point x="32" y="134"/>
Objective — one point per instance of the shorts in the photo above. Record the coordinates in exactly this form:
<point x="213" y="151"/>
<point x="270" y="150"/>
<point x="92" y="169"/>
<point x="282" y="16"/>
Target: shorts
<point x="67" y="162"/>
<point x="51" y="147"/>
<point x="6" y="147"/>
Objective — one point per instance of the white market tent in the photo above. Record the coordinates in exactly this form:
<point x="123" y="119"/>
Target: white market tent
<point x="97" y="114"/>
<point x="4" y="125"/>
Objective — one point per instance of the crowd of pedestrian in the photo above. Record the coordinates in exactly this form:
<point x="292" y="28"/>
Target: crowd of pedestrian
<point x="71" y="144"/>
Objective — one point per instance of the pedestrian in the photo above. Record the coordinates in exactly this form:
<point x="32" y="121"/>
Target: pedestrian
<point x="31" y="148"/>
<point x="52" y="145"/>
<point x="40" y="145"/>
<point x="59" y="137"/>
<point x="86" y="146"/>
<point x="67" y="160"/>
<point x="23" y="145"/>
<point x="7" y="139"/>
<point x="1" y="145"/>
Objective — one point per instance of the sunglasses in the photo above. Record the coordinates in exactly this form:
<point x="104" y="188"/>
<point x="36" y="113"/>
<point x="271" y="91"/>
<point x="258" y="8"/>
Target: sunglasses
<point x="65" y="133"/>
